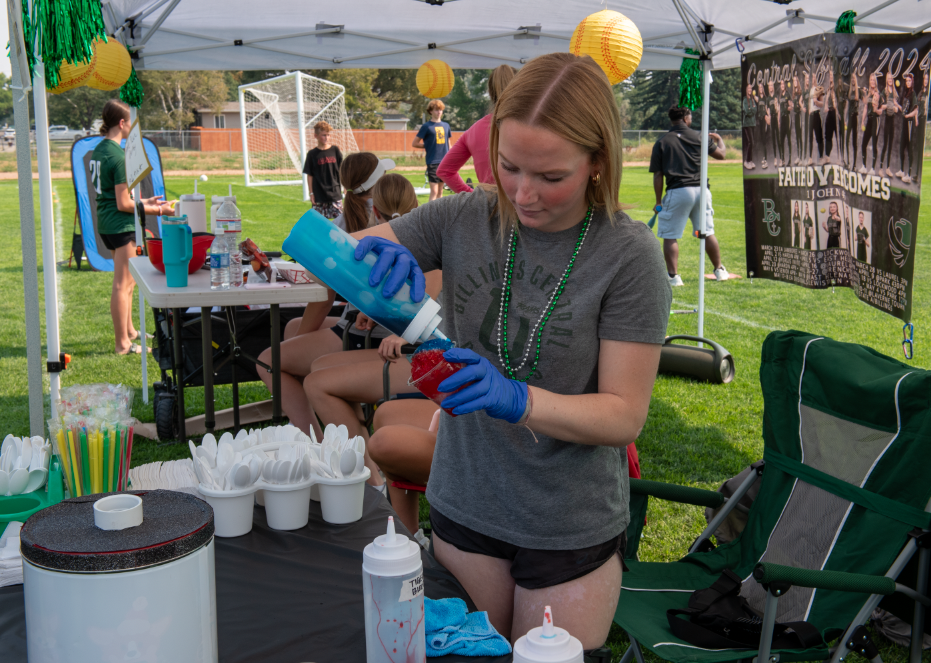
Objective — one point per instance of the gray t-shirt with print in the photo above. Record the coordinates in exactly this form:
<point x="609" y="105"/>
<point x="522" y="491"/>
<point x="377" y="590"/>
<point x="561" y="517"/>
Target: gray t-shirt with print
<point x="487" y="474"/>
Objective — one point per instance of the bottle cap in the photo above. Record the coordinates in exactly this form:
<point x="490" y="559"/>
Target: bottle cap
<point x="423" y="325"/>
<point x="548" y="644"/>
<point x="391" y="554"/>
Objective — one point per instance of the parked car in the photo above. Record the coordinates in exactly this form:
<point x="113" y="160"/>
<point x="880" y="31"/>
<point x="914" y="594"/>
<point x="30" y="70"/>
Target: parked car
<point x="61" y="132"/>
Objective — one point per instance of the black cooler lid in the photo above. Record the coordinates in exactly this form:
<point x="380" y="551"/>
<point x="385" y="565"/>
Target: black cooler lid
<point x="64" y="538"/>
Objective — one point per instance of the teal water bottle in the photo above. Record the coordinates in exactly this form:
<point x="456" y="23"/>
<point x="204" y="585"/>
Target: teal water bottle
<point x="327" y="252"/>
<point x="177" y="249"/>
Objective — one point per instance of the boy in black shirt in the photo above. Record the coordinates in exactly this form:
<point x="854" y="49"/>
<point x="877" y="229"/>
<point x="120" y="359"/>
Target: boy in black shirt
<point x="322" y="170"/>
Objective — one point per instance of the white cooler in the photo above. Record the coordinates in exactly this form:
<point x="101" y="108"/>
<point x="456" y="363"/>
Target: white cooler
<point x="145" y="593"/>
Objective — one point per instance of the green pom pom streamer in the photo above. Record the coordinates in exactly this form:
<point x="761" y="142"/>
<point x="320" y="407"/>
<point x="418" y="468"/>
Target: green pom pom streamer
<point x="845" y="24"/>
<point x="132" y="92"/>
<point x="64" y="30"/>
<point x="690" y="82"/>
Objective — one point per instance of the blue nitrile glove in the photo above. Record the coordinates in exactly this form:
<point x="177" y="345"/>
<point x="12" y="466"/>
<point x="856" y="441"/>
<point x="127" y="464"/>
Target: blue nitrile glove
<point x="486" y="388"/>
<point x="399" y="260"/>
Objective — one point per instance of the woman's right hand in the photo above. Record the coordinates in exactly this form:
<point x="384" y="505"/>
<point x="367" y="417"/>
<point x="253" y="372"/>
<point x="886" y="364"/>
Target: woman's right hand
<point x="394" y="257"/>
<point x="390" y="348"/>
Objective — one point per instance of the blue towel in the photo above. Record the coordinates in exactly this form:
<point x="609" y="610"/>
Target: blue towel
<point x="451" y="630"/>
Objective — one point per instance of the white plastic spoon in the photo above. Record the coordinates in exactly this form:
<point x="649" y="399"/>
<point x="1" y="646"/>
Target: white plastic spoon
<point x="18" y="481"/>
<point x="35" y="480"/>
<point x="360" y="463"/>
<point x="347" y="462"/>
<point x="283" y="471"/>
<point x="268" y="470"/>
<point x="4" y="483"/>
<point x="192" y="448"/>
<point x="226" y="437"/>
<point x="25" y="455"/>
<point x="209" y="443"/>
<point x="225" y="458"/>
<point x="241" y="476"/>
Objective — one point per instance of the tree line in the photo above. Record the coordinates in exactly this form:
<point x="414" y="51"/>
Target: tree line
<point x="173" y="97"/>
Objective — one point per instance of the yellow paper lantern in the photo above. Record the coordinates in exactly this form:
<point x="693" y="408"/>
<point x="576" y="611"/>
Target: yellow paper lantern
<point x="435" y="79"/>
<point x="612" y="40"/>
<point x="71" y="76"/>
<point x="113" y="65"/>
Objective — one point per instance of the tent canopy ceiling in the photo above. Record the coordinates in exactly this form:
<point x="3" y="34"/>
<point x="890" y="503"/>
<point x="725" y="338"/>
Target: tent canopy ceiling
<point x="297" y="34"/>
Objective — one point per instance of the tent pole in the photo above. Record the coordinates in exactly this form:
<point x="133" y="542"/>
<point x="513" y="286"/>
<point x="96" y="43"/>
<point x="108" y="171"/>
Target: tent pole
<point x="703" y="183"/>
<point x="137" y="196"/>
<point x="302" y="135"/>
<point x="27" y="226"/>
<point x="242" y="125"/>
<point x="49" y="263"/>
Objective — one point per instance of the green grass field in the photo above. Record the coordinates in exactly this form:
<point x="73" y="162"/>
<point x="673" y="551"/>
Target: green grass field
<point x="696" y="434"/>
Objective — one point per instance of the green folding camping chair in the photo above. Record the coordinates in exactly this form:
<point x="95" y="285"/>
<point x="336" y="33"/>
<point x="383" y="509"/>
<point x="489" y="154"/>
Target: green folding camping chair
<point x="843" y="507"/>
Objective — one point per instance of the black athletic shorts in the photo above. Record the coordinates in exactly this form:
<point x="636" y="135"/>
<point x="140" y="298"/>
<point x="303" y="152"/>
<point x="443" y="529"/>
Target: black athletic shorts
<point x="116" y="240"/>
<point x="530" y="568"/>
<point x="356" y="340"/>
<point x="431" y="174"/>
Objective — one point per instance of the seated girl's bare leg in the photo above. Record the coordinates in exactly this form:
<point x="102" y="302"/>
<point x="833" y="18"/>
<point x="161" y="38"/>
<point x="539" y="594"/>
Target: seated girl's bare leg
<point x="487" y="580"/>
<point x="293" y="328"/>
<point x="331" y="392"/>
<point x="404" y="453"/>
<point x="584" y="606"/>
<point x="297" y="357"/>
<point x="340" y="357"/>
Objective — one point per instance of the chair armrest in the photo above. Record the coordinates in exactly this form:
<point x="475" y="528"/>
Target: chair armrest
<point x="674" y="493"/>
<point x="766" y="573"/>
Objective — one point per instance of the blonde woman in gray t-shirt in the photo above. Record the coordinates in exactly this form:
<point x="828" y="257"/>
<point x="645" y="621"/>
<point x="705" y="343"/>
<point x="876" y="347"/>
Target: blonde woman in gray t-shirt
<point x="558" y="303"/>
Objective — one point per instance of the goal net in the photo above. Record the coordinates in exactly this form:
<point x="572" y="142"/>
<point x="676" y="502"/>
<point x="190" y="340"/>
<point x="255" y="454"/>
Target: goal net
<point x="279" y="116"/>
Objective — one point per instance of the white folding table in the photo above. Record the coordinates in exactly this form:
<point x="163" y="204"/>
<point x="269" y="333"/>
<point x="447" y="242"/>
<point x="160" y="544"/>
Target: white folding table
<point x="153" y="286"/>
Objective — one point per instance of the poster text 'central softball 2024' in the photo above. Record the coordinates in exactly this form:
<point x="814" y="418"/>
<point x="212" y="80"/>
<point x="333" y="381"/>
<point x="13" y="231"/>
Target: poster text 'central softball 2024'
<point x="833" y="135"/>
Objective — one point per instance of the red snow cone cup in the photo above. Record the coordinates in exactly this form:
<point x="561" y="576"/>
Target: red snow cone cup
<point x="428" y="370"/>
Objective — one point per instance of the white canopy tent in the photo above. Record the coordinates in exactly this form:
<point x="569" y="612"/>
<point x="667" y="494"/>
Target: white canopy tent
<point x="297" y="34"/>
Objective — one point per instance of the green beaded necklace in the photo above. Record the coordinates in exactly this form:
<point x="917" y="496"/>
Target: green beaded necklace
<point x="548" y="310"/>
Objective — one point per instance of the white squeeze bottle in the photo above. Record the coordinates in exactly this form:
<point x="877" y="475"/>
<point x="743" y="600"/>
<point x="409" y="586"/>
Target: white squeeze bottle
<point x="392" y="587"/>
<point x="547" y="644"/>
<point x="230" y="221"/>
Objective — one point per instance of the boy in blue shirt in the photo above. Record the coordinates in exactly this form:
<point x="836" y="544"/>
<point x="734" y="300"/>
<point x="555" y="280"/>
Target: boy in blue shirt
<point x="434" y="138"/>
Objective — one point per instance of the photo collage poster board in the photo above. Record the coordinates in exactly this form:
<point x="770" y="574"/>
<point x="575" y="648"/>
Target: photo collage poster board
<point x="833" y="137"/>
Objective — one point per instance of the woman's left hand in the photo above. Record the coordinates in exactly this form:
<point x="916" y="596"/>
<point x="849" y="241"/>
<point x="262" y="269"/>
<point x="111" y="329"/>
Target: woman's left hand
<point x="483" y="388"/>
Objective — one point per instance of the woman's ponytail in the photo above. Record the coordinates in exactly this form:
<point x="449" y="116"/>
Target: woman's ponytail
<point x="113" y="111"/>
<point x="393" y="196"/>
<point x="353" y="173"/>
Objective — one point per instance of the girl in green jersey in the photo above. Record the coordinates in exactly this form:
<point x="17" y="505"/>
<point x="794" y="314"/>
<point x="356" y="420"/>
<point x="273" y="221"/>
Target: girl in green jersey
<point x="115" y="221"/>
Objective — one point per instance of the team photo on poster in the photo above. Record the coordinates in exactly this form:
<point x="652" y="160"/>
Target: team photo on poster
<point x="833" y="135"/>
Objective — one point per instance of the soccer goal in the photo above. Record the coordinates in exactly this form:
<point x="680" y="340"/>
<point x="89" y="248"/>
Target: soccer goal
<point x="277" y="117"/>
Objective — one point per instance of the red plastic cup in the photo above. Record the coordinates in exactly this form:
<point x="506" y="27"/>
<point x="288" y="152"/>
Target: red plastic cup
<point x="428" y="383"/>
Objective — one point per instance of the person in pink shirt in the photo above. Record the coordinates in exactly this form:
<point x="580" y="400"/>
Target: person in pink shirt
<point x="474" y="142"/>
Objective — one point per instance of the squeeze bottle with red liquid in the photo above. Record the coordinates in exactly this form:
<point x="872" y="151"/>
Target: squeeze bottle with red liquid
<point x="327" y="252"/>
<point x="392" y="589"/>
<point x="548" y="644"/>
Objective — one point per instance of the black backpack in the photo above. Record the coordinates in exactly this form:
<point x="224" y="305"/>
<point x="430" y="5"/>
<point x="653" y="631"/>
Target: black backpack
<point x="719" y="618"/>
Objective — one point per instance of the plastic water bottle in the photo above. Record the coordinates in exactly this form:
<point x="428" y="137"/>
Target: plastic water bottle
<point x="219" y="264"/>
<point x="548" y="644"/>
<point x="392" y="588"/>
<point x="328" y="252"/>
<point x="230" y="220"/>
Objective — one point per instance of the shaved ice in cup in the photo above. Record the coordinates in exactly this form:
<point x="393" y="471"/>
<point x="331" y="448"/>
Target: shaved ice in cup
<point x="429" y="369"/>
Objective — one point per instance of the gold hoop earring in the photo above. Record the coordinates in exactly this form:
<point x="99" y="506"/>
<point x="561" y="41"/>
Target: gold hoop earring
<point x="596" y="179"/>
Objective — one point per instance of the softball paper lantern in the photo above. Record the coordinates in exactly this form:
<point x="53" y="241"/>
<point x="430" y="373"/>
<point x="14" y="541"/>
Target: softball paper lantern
<point x="612" y="40"/>
<point x="435" y="79"/>
<point x="71" y="76"/>
<point x="113" y="65"/>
